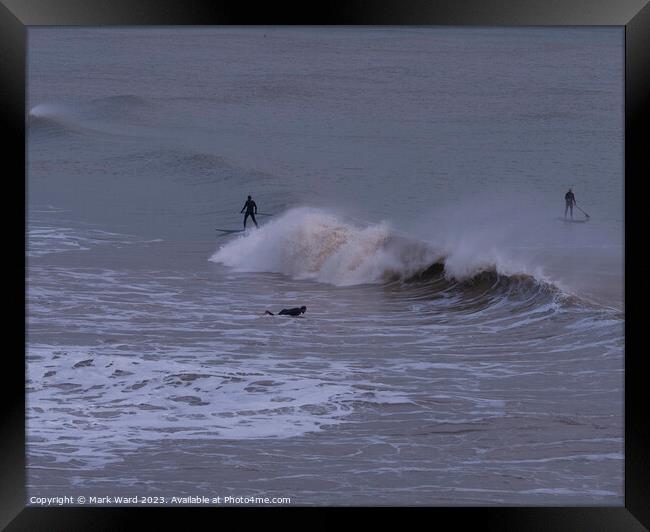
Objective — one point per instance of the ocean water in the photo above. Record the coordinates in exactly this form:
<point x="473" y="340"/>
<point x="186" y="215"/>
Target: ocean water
<point x="462" y="345"/>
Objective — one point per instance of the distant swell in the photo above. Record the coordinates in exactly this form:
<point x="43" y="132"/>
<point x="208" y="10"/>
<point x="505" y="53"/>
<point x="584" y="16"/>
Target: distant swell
<point x="49" y="121"/>
<point x="52" y="118"/>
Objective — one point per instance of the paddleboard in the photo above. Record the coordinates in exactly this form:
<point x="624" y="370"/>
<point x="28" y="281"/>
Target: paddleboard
<point x="570" y="221"/>
<point x="229" y="231"/>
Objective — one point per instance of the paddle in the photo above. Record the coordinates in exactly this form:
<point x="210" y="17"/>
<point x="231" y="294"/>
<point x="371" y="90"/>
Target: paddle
<point x="583" y="212"/>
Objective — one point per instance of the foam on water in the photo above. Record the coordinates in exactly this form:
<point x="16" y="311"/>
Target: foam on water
<point x="100" y="395"/>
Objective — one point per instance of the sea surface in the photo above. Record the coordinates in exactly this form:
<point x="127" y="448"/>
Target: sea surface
<point x="463" y="344"/>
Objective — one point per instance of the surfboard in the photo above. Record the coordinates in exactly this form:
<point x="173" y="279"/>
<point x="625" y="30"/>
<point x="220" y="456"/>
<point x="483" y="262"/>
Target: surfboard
<point x="570" y="221"/>
<point x="229" y="231"/>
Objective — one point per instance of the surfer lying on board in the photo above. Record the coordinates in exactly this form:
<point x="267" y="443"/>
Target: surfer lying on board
<point x="296" y="311"/>
<point x="570" y="200"/>
<point x="251" y="210"/>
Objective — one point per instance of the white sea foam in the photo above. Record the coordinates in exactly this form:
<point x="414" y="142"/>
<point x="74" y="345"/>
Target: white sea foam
<point x="87" y="391"/>
<point x="48" y="239"/>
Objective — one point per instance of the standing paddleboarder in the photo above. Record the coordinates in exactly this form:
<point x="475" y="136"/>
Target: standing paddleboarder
<point x="569" y="199"/>
<point x="251" y="210"/>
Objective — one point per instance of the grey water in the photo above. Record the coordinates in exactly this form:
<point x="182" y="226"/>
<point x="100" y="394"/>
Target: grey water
<point x="462" y="345"/>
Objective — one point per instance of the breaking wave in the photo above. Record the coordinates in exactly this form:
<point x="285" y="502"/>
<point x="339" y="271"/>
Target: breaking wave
<point x="306" y="243"/>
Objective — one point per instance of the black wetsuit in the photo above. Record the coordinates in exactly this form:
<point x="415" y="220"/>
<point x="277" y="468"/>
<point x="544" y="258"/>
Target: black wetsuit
<point x="296" y="311"/>
<point x="570" y="202"/>
<point x="251" y="210"/>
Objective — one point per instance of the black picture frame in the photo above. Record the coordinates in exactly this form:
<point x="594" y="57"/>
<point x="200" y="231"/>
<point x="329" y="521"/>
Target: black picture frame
<point x="17" y="15"/>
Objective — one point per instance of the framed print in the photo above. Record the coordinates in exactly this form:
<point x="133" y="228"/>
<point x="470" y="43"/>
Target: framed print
<point x="369" y="257"/>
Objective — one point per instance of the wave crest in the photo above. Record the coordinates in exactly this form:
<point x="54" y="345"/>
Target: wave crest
<point x="311" y="244"/>
<point x="307" y="243"/>
<point x="82" y="116"/>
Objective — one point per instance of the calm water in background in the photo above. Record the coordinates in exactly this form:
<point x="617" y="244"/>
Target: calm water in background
<point x="462" y="344"/>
